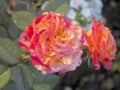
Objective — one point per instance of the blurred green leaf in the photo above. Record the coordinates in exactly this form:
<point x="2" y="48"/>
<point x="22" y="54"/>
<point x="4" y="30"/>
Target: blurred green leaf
<point x="5" y="77"/>
<point x="9" y="51"/>
<point x="118" y="56"/>
<point x="81" y="19"/>
<point x="10" y="86"/>
<point x="3" y="32"/>
<point x="22" y="19"/>
<point x="4" y="18"/>
<point x="27" y="76"/>
<point x="41" y="87"/>
<point x="2" y="68"/>
<point x="63" y="8"/>
<point x="57" y="5"/>
<point x="47" y="80"/>
<point x="116" y="66"/>
<point x="3" y="5"/>
<point x="17" y="78"/>
<point x="13" y="31"/>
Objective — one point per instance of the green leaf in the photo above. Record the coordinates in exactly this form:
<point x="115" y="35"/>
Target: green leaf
<point x="5" y="77"/>
<point x="27" y="76"/>
<point x="13" y="31"/>
<point x="81" y="19"/>
<point x="22" y="19"/>
<point x="4" y="18"/>
<point x="10" y="86"/>
<point x="44" y="79"/>
<point x="47" y="80"/>
<point x="17" y="78"/>
<point x="61" y="5"/>
<point x="118" y="56"/>
<point x="9" y="51"/>
<point x="41" y="87"/>
<point x="63" y="8"/>
<point x="3" y="5"/>
<point x="3" y="32"/>
<point x="2" y="68"/>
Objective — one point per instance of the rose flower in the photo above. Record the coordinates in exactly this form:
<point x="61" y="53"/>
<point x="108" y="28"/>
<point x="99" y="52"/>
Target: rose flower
<point x="53" y="42"/>
<point x="102" y="45"/>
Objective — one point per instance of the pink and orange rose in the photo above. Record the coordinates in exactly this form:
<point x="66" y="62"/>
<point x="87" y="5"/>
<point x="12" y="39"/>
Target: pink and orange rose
<point x="54" y="43"/>
<point x="101" y="45"/>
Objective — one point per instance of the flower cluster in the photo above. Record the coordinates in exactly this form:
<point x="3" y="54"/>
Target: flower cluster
<point x="89" y="8"/>
<point x="55" y="44"/>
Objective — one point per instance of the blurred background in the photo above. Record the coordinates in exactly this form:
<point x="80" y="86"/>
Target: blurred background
<point x="17" y="72"/>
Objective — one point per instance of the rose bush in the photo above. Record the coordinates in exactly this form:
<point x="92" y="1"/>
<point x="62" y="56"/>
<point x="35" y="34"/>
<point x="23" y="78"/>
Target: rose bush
<point x="53" y="42"/>
<point x="101" y="45"/>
